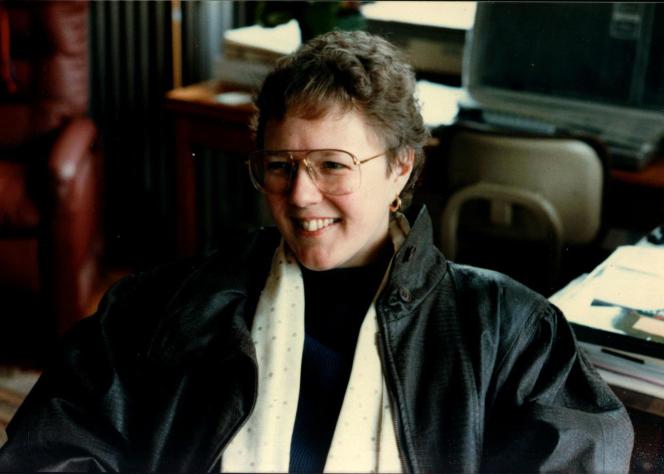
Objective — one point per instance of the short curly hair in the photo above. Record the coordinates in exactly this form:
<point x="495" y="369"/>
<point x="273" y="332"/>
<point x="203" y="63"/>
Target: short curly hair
<point x="353" y="70"/>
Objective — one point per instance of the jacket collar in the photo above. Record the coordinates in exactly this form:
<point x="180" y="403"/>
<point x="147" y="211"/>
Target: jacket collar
<point x="417" y="268"/>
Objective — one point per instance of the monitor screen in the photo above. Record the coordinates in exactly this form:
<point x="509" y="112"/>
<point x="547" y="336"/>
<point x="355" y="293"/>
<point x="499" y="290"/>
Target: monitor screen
<point x="599" y="52"/>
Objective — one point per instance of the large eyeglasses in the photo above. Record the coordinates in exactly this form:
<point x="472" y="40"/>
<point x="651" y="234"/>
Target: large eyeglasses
<point x="334" y="172"/>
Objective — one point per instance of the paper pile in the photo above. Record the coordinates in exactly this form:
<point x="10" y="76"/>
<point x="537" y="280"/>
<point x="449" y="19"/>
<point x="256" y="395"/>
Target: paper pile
<point x="623" y="296"/>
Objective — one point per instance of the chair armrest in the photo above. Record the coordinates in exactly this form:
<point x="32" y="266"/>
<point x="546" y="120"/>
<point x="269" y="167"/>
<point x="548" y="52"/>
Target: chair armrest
<point x="69" y="153"/>
<point x="74" y="219"/>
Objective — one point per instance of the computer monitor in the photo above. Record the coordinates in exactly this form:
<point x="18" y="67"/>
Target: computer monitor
<point x="590" y="67"/>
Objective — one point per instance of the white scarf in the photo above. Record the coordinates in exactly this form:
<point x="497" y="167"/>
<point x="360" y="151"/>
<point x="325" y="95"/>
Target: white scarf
<point x="364" y="439"/>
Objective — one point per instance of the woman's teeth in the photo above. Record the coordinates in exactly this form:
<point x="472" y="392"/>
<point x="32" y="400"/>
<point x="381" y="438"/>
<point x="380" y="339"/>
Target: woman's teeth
<point x="316" y="224"/>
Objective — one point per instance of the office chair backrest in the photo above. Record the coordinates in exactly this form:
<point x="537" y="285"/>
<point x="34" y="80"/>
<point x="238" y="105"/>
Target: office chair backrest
<point x="557" y="181"/>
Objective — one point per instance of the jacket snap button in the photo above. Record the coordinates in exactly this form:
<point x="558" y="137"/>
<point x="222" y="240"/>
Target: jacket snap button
<point x="405" y="295"/>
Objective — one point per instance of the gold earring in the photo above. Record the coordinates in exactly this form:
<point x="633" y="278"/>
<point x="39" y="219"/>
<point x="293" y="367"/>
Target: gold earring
<point x="395" y="205"/>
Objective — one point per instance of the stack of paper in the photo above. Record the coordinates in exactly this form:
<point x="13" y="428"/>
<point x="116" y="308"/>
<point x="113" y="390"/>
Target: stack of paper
<point x="439" y="103"/>
<point x="250" y="52"/>
<point x="624" y="296"/>
<point x="259" y="43"/>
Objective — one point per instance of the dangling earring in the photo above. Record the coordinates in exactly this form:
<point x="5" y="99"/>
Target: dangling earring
<point x="395" y="205"/>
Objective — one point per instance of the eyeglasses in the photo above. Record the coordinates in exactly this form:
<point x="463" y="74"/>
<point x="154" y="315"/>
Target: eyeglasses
<point x="334" y="172"/>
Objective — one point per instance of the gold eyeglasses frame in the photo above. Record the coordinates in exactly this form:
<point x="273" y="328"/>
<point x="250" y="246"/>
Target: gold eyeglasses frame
<point x="310" y="171"/>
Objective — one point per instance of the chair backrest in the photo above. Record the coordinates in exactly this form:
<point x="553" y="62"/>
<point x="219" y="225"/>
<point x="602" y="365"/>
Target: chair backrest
<point x="521" y="188"/>
<point x="43" y="67"/>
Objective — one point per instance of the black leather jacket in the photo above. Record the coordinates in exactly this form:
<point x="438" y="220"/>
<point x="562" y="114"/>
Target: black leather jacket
<point x="484" y="374"/>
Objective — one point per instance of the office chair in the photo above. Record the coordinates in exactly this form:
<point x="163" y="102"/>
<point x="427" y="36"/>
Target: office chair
<point x="518" y="203"/>
<point x="50" y="240"/>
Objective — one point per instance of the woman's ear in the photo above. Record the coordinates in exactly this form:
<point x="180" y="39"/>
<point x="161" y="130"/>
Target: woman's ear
<point x="404" y="167"/>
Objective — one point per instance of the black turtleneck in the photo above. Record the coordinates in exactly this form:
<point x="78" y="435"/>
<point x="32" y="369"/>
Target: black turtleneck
<point x="336" y="302"/>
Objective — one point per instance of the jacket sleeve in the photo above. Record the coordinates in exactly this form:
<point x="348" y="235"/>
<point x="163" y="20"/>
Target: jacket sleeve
<point x="549" y="410"/>
<point x="73" y="419"/>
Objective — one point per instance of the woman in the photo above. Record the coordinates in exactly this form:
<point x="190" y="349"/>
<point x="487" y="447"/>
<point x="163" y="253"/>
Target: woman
<point x="343" y="342"/>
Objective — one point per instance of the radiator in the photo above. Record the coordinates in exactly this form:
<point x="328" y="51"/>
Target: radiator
<point x="131" y="71"/>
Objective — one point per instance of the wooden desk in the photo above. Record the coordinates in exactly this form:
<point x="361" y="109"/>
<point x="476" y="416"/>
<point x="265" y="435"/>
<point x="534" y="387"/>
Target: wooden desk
<point x="201" y="120"/>
<point x="652" y="176"/>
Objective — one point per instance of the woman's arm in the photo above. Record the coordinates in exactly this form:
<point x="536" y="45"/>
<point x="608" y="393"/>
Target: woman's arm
<point x="550" y="410"/>
<point x="73" y="418"/>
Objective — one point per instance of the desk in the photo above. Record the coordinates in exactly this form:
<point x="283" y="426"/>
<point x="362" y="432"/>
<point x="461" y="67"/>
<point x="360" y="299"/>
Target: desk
<point x="652" y="176"/>
<point x="201" y="120"/>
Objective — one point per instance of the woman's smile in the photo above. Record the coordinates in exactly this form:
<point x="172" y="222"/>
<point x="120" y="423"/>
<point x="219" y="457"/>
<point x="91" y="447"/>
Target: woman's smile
<point x="314" y="226"/>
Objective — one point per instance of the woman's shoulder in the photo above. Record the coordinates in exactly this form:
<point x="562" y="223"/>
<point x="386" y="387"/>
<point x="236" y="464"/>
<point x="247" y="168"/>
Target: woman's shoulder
<point x="235" y="268"/>
<point x="484" y="283"/>
<point x="499" y="303"/>
<point x="179" y="299"/>
<point x="243" y="253"/>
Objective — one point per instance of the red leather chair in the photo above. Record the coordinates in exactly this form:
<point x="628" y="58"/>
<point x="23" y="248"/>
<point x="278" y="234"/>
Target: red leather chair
<point x="49" y="168"/>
